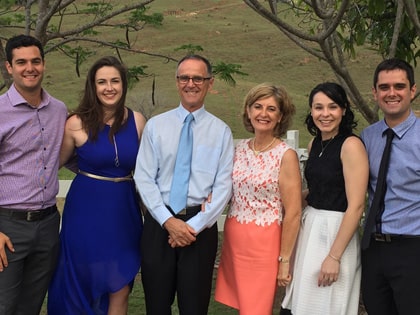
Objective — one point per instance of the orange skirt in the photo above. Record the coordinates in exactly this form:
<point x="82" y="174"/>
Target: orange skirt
<point x="247" y="274"/>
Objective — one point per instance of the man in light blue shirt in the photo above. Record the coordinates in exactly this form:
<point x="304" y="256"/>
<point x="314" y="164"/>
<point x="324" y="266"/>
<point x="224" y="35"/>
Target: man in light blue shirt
<point x="179" y="250"/>
<point x="390" y="265"/>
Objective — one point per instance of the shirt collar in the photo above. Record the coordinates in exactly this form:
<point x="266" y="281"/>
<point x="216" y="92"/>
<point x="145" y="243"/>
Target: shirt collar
<point x="182" y="112"/>
<point x="17" y="99"/>
<point x="401" y="128"/>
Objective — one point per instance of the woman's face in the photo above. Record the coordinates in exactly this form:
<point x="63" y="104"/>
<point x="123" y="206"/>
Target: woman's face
<point x="327" y="115"/>
<point x="108" y="85"/>
<point x="264" y="114"/>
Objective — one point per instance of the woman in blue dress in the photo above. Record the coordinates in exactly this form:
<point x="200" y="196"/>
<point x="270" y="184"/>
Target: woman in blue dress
<point x="102" y="223"/>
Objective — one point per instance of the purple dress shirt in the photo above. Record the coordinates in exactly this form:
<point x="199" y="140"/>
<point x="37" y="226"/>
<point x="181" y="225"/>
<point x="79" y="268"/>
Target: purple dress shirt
<point x="30" y="140"/>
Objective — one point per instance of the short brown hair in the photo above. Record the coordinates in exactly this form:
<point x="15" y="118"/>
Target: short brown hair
<point x="283" y="100"/>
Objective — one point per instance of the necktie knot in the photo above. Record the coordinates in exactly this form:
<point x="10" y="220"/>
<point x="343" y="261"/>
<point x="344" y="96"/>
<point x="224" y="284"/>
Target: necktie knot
<point x="190" y="118"/>
<point x="389" y="134"/>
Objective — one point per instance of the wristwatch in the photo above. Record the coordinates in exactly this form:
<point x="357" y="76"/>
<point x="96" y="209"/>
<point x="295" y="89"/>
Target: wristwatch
<point x="282" y="260"/>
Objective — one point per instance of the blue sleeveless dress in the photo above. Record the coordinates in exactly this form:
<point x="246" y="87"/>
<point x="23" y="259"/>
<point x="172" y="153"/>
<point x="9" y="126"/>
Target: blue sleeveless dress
<point x="101" y="228"/>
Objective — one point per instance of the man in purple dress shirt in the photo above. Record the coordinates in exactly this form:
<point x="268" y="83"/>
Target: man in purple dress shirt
<point x="31" y="131"/>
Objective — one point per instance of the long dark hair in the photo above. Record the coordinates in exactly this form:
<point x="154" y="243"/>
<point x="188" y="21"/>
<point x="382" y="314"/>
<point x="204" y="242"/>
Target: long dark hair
<point x="90" y="109"/>
<point x="337" y="93"/>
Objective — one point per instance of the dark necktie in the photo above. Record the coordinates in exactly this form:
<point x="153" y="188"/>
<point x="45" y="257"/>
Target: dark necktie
<point x="377" y="206"/>
<point x="182" y="170"/>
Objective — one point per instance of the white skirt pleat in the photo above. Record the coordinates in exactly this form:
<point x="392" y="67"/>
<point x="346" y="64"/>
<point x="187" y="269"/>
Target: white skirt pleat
<point x="303" y="296"/>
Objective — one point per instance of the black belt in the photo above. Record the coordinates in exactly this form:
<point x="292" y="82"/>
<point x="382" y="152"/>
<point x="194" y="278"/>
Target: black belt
<point x="28" y="215"/>
<point x="186" y="211"/>
<point x="388" y="238"/>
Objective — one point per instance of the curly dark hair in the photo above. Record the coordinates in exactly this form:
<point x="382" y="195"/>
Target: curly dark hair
<point x="22" y="41"/>
<point x="90" y="109"/>
<point x="283" y="100"/>
<point x="337" y="93"/>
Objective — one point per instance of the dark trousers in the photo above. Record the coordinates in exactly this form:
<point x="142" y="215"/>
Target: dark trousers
<point x="391" y="277"/>
<point x="285" y="311"/>
<point x="24" y="283"/>
<point x="184" y="271"/>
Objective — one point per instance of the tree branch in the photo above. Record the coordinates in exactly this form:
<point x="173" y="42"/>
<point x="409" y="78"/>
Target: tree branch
<point x="99" y="21"/>
<point x="286" y="27"/>
<point x="411" y="10"/>
<point x="329" y="42"/>
<point x="107" y="44"/>
<point x="397" y="27"/>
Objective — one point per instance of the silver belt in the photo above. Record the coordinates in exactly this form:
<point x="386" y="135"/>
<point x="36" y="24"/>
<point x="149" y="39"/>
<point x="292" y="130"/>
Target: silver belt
<point x="110" y="179"/>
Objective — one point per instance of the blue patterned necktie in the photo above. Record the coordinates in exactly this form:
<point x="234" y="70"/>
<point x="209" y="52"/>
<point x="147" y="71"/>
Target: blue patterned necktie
<point x="179" y="188"/>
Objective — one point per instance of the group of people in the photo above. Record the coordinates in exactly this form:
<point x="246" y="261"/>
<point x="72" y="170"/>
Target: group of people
<point x="268" y="239"/>
<point x="184" y="168"/>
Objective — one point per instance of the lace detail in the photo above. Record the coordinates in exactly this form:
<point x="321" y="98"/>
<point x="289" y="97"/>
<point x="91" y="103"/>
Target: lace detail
<point x="256" y="196"/>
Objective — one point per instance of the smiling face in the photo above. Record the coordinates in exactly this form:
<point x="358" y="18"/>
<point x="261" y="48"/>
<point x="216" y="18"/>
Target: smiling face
<point x="27" y="70"/>
<point x="326" y="114"/>
<point x="108" y="85"/>
<point x="193" y="94"/>
<point x="393" y="95"/>
<point x="264" y="115"/>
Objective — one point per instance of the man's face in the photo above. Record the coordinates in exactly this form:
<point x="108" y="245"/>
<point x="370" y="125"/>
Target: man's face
<point x="193" y="94"/>
<point x="393" y="95"/>
<point x="27" y="69"/>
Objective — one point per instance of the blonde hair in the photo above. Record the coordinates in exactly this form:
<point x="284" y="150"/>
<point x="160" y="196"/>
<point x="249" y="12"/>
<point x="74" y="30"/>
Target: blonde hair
<point x="283" y="101"/>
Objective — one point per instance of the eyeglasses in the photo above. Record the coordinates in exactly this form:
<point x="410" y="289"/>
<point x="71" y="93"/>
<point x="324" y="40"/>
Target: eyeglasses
<point x="184" y="79"/>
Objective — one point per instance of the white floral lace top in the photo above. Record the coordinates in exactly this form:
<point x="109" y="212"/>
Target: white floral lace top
<point x="256" y="197"/>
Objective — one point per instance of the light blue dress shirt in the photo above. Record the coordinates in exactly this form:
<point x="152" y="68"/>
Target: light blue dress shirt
<point x="211" y="168"/>
<point x="402" y="198"/>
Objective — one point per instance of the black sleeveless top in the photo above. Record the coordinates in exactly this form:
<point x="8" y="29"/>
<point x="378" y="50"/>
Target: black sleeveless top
<point x="324" y="175"/>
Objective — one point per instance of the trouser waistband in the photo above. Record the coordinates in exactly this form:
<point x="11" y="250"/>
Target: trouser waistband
<point x="28" y="215"/>
<point x="388" y="238"/>
<point x="186" y="211"/>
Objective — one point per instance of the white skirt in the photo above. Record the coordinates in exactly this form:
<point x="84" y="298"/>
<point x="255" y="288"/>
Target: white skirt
<point x="303" y="295"/>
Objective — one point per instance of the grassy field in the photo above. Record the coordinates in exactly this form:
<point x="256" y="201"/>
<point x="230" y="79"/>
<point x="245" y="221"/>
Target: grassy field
<point x="228" y="31"/>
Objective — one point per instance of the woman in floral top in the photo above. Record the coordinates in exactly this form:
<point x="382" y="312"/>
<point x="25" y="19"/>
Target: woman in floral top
<point x="263" y="219"/>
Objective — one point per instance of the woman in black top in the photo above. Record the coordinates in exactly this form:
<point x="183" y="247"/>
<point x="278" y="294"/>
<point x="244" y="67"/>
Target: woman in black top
<point x="327" y="264"/>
